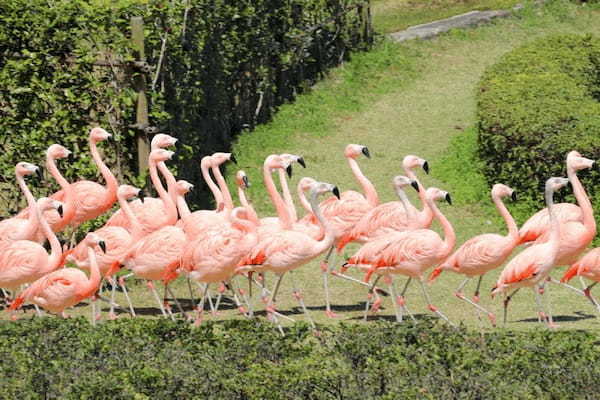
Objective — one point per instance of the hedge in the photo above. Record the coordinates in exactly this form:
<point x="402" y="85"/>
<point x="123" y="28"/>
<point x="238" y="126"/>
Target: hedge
<point x="215" y="67"/>
<point x="539" y="102"/>
<point x="159" y="359"/>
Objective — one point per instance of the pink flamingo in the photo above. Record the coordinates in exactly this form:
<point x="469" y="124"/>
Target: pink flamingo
<point x="531" y="267"/>
<point x="408" y="253"/>
<point x="587" y="266"/>
<point x="483" y="253"/>
<point x="392" y="216"/>
<point x="24" y="261"/>
<point x="243" y="183"/>
<point x="538" y="224"/>
<point x="65" y="287"/>
<point x="17" y="228"/>
<point x="287" y="250"/>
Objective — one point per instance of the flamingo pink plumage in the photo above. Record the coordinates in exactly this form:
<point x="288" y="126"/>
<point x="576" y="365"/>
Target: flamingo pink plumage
<point x="408" y="253"/>
<point x="483" y="253"/>
<point x="588" y="267"/>
<point x="65" y="287"/>
<point x="532" y="266"/>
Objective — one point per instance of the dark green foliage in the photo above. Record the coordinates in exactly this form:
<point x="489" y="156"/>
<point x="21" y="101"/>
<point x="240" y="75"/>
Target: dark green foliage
<point x="52" y="358"/>
<point x="534" y="106"/>
<point x="228" y="57"/>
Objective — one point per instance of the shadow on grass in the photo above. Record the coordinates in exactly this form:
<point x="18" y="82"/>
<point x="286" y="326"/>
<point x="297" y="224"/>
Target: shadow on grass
<point x="580" y="315"/>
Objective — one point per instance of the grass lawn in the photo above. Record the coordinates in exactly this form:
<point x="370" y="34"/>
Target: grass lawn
<point x="399" y="99"/>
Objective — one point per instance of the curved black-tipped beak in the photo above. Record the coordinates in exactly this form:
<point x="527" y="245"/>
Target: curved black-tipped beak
<point x="141" y="195"/>
<point x="336" y="192"/>
<point x="71" y="158"/>
<point x="448" y="198"/>
<point x="59" y="210"/>
<point x="102" y="245"/>
<point x="365" y="151"/>
<point x="415" y="185"/>
<point x="246" y="181"/>
<point x="513" y="196"/>
<point x="233" y="159"/>
<point x="426" y="167"/>
<point x="289" y="171"/>
<point x="40" y="173"/>
<point x="301" y="162"/>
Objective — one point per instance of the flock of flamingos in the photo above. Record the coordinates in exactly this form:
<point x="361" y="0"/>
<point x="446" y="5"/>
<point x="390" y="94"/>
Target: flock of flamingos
<point x="160" y="239"/>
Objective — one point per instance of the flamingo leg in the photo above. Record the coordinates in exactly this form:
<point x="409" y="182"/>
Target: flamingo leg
<point x="124" y="288"/>
<point x="192" y="299"/>
<point x="271" y="302"/>
<point x="237" y="301"/>
<point x="545" y="292"/>
<point x="461" y="296"/>
<point x="395" y="300"/>
<point x="219" y="297"/>
<point x="200" y="307"/>
<point x="160" y="304"/>
<point x="348" y="277"/>
<point x="94" y="315"/>
<point x="376" y="303"/>
<point x="37" y="310"/>
<point x="541" y="313"/>
<point x="111" y="312"/>
<point x="402" y="302"/>
<point x="167" y="305"/>
<point x="298" y="296"/>
<point x="325" y="272"/>
<point x="573" y="288"/>
<point x="588" y="294"/>
<point x="176" y="301"/>
<point x="507" y="299"/>
<point x="432" y="307"/>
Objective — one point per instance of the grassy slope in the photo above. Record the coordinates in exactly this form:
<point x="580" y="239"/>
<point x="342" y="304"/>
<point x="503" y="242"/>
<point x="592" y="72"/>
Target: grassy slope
<point x="401" y="99"/>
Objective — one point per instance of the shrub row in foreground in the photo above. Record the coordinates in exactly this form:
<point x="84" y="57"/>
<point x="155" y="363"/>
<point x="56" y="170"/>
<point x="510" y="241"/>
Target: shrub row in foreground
<point x="125" y="359"/>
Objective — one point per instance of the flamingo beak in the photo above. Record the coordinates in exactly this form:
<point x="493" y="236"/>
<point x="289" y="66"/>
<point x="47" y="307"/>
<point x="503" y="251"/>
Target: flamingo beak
<point x="141" y="195"/>
<point x="59" y="210"/>
<point x="415" y="185"/>
<point x="365" y="151"/>
<point x="289" y="171"/>
<point x="513" y="196"/>
<point x="246" y="181"/>
<point x="336" y="192"/>
<point x="233" y="159"/>
<point x="426" y="167"/>
<point x="102" y="245"/>
<point x="301" y="162"/>
<point x="448" y="198"/>
<point x="40" y="173"/>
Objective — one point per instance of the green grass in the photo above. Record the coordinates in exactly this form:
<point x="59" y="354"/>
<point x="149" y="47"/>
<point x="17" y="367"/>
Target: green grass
<point x="413" y="98"/>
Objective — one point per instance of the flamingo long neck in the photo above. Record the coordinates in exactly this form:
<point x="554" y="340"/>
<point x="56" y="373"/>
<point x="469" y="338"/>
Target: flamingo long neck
<point x="109" y="178"/>
<point x="305" y="204"/>
<point x="163" y="194"/>
<point x="242" y="224"/>
<point x="282" y="213"/>
<point x="184" y="210"/>
<point x="426" y="215"/>
<point x="69" y="201"/>
<point x="327" y="241"/>
<point x="408" y="210"/>
<point x="211" y="184"/>
<point x="170" y="179"/>
<point x="554" y="240"/>
<point x="227" y="200"/>
<point x="513" y="229"/>
<point x="368" y="188"/>
<point x="246" y="204"/>
<point x="287" y="197"/>
<point x="449" y="235"/>
<point x="584" y="202"/>
<point x="134" y="223"/>
<point x="32" y="217"/>
<point x="55" y="250"/>
<point x="92" y="284"/>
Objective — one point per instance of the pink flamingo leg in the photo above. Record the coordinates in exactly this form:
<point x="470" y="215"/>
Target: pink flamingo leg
<point x="573" y="288"/>
<point x="461" y="296"/>
<point x="124" y="288"/>
<point x="179" y="307"/>
<point x="157" y="298"/>
<point x="298" y="296"/>
<point x="587" y="293"/>
<point x="432" y="307"/>
<point x="326" y="271"/>
<point x="507" y="300"/>
<point x="200" y="307"/>
<point x="376" y="304"/>
<point x="395" y="301"/>
<point x="542" y="316"/>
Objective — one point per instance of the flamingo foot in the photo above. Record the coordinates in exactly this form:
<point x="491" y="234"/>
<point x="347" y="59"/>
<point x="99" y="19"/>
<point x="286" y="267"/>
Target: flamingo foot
<point x="586" y="292"/>
<point x="98" y="317"/>
<point x="242" y="310"/>
<point x="150" y="285"/>
<point x="297" y="295"/>
<point x="553" y="325"/>
<point x="14" y="317"/>
<point x="324" y="266"/>
<point x="476" y="298"/>
<point x="541" y="290"/>
<point x="271" y="309"/>
<point x="376" y="305"/>
<point x="221" y="288"/>
<point x="432" y="308"/>
<point x="331" y="314"/>
<point x="241" y="291"/>
<point x="460" y="295"/>
<point x="542" y="315"/>
<point x="400" y="301"/>
<point x="492" y="318"/>
<point x="121" y="281"/>
<point x="112" y="316"/>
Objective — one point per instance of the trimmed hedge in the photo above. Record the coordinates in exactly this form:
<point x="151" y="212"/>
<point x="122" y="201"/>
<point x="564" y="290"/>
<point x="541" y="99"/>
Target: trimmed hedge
<point x="225" y="69"/>
<point x="539" y="102"/>
<point x="159" y="359"/>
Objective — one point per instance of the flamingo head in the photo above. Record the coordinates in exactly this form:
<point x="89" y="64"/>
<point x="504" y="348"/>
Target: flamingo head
<point x="206" y="162"/>
<point x="161" y="140"/>
<point x="319" y="188"/>
<point x="242" y="180"/>
<point x="275" y="161"/>
<point x="292" y="158"/>
<point x="436" y="194"/>
<point x="306" y="183"/>
<point x="555" y="184"/>
<point x="183" y="187"/>
<point x="127" y="192"/>
<point x="401" y="181"/>
<point x="46" y="204"/>
<point x="355" y="150"/>
<point x="411" y="162"/>
<point x="57" y="151"/>
<point x="98" y="134"/>
<point x="159" y="155"/>
<point x="26" y="169"/>
<point x="576" y="162"/>
<point x="93" y="239"/>
<point x="499" y="190"/>
<point x="220" y="158"/>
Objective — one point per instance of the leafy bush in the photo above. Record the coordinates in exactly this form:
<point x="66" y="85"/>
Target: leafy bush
<point x="139" y="359"/>
<point x="225" y="66"/>
<point x="534" y="106"/>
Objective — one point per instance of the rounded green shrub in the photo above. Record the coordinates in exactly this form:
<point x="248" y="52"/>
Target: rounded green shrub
<point x="539" y="102"/>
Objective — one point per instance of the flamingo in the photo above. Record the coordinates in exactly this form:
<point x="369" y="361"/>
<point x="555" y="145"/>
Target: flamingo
<point x="531" y="267"/>
<point x="242" y="182"/>
<point x="56" y="222"/>
<point x="24" y="261"/>
<point x="483" y="253"/>
<point x="65" y="287"/>
<point x="287" y="249"/>
<point x="538" y="224"/>
<point x="408" y="253"/>
<point x="392" y="216"/>
<point x="587" y="266"/>
<point x="17" y="228"/>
